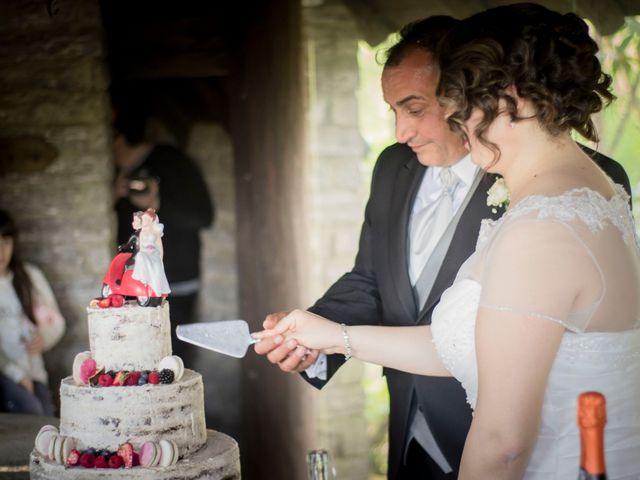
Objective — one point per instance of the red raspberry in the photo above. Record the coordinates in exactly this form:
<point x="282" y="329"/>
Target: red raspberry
<point x="154" y="378"/>
<point x="115" y="461"/>
<point x="101" y="462"/>
<point x="74" y="457"/>
<point x="116" y="300"/>
<point x="132" y="378"/>
<point x="126" y="452"/>
<point x="87" y="460"/>
<point x="136" y="459"/>
<point x="105" y="380"/>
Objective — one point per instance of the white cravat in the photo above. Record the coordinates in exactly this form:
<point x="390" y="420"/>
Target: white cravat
<point x="428" y="224"/>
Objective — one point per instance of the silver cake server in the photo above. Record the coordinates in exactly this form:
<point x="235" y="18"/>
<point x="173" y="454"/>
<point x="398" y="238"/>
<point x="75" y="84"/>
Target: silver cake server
<point x="230" y="337"/>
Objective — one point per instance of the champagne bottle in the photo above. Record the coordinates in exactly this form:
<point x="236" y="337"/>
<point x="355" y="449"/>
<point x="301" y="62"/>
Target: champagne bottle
<point x="592" y="416"/>
<point x="319" y="466"/>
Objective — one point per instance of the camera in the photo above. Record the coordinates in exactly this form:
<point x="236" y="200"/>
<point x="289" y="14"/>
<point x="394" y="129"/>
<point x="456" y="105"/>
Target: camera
<point x="139" y="186"/>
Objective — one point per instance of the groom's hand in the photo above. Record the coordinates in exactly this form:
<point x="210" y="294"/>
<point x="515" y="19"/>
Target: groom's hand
<point x="288" y="355"/>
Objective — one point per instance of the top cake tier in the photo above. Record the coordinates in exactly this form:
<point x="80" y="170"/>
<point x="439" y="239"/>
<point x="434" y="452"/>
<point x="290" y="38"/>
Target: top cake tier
<point x="129" y="337"/>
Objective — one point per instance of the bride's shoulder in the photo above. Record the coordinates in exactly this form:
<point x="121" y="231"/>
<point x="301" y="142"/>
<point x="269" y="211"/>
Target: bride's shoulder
<point x="585" y="205"/>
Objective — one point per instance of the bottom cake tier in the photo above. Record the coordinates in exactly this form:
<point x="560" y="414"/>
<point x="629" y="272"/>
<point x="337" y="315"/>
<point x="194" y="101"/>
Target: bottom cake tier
<point x="219" y="459"/>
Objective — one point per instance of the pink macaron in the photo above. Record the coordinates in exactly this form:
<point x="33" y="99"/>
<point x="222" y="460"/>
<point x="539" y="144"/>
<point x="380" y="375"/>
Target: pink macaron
<point x="149" y="454"/>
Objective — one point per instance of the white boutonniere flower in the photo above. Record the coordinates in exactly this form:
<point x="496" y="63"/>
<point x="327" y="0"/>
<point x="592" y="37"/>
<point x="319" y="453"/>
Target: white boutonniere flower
<point x="498" y="195"/>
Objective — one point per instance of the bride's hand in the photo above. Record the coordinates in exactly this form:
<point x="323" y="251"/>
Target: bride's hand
<point x="307" y="329"/>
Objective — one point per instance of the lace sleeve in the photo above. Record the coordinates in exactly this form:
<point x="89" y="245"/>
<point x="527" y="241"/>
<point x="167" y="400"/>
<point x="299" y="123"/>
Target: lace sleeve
<point x="541" y="268"/>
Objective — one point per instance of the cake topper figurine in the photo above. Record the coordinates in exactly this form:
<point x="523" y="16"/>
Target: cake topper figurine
<point x="137" y="269"/>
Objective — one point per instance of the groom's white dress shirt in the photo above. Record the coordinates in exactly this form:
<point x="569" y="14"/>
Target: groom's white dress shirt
<point x="429" y="191"/>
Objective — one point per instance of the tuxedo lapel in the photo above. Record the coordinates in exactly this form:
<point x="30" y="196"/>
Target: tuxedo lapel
<point x="408" y="179"/>
<point x="463" y="242"/>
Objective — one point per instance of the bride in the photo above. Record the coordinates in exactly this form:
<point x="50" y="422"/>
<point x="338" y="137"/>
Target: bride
<point x="548" y="306"/>
<point x="148" y="267"/>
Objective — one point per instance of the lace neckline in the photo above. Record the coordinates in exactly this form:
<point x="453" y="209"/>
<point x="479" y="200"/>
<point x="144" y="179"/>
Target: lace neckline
<point x="620" y="194"/>
<point x="584" y="203"/>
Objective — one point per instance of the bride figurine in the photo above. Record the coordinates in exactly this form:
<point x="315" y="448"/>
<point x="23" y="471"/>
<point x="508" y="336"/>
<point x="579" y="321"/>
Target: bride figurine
<point x="148" y="267"/>
<point x="547" y="307"/>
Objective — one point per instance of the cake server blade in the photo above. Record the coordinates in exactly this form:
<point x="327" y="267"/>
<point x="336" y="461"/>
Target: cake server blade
<point x="230" y="337"/>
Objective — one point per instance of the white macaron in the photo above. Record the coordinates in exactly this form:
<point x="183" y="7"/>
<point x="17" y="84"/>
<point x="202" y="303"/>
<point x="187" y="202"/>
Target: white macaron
<point x="52" y="448"/>
<point x="68" y="445"/>
<point x="58" y="448"/>
<point x="174" y="363"/>
<point x="44" y="437"/>
<point x="169" y="455"/>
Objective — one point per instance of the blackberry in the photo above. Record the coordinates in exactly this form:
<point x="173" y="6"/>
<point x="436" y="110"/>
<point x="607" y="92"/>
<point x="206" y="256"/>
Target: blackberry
<point x="111" y="373"/>
<point x="166" y="376"/>
<point x="104" y="453"/>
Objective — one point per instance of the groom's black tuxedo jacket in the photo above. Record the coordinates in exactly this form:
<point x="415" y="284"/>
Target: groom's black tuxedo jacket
<point x="378" y="292"/>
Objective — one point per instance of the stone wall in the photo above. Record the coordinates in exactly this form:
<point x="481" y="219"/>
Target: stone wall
<point x="53" y="91"/>
<point x="339" y="188"/>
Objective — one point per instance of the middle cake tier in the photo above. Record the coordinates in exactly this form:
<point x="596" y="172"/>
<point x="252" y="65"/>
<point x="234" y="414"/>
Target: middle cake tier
<point x="104" y="418"/>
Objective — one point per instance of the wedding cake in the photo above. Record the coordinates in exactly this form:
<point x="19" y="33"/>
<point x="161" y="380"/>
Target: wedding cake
<point x="131" y="409"/>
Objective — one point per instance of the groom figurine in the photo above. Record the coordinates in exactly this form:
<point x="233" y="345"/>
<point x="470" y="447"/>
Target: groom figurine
<point x="421" y="223"/>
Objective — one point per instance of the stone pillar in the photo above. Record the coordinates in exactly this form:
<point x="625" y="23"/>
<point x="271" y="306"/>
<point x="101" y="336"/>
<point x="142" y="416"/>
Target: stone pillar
<point x="339" y="185"/>
<point x="54" y="117"/>
<point x="267" y="118"/>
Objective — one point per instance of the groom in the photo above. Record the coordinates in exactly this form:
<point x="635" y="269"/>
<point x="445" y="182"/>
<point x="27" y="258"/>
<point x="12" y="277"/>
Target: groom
<point x="421" y="223"/>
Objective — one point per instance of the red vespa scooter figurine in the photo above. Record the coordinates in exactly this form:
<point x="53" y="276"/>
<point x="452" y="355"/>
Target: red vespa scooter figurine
<point x="137" y="269"/>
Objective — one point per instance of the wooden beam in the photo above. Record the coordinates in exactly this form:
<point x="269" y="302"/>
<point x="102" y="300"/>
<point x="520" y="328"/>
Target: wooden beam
<point x="167" y="47"/>
<point x="268" y="129"/>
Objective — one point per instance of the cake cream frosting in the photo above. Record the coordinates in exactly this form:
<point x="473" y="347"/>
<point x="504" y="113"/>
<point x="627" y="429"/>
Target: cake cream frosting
<point x="129" y="337"/>
<point x="134" y="338"/>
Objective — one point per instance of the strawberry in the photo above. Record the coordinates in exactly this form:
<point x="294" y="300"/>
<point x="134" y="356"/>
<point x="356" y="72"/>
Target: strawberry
<point x="101" y="462"/>
<point x="94" y="379"/>
<point x="104" y="302"/>
<point x="126" y="453"/>
<point x="116" y="300"/>
<point x="74" y="457"/>
<point x="154" y="378"/>
<point x="115" y="461"/>
<point x="132" y="378"/>
<point x="105" y="380"/>
<point x="119" y="379"/>
<point x="87" y="460"/>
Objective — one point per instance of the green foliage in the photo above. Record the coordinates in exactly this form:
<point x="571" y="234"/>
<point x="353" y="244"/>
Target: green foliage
<point x="619" y="124"/>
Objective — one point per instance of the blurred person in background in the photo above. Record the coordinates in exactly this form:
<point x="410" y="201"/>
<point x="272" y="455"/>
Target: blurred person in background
<point x="30" y="324"/>
<point x="160" y="176"/>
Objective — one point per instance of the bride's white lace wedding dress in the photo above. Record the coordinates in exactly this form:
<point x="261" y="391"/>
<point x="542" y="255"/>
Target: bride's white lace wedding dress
<point x="528" y="263"/>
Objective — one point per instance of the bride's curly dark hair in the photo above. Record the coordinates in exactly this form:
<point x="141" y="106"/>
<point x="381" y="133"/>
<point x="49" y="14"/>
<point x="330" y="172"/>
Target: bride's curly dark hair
<point x="546" y="57"/>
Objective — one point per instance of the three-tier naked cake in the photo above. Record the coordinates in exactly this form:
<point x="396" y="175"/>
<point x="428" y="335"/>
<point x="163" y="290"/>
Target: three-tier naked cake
<point x="131" y="409"/>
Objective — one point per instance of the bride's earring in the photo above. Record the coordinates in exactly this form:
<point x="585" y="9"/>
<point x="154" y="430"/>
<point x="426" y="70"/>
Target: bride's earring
<point x="512" y="124"/>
